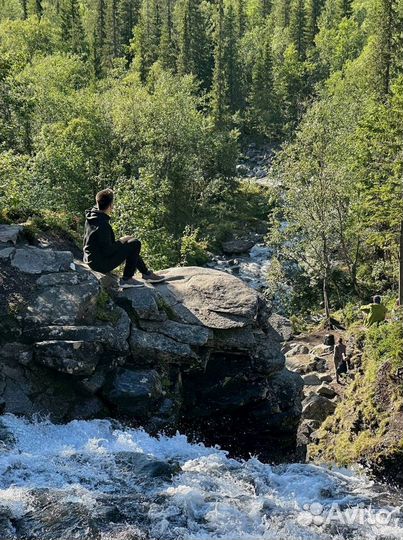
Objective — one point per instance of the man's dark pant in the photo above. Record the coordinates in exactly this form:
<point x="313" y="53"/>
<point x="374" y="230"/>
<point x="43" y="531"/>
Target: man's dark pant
<point x="129" y="253"/>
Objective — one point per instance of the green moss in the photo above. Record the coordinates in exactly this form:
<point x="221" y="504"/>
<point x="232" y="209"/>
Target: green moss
<point x="104" y="311"/>
<point x="164" y="306"/>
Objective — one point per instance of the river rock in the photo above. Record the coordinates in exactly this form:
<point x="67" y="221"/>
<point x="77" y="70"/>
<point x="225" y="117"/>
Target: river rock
<point x="300" y="348"/>
<point x="134" y="392"/>
<point x="316" y="407"/>
<point x="33" y="260"/>
<point x="326" y="391"/>
<point x="321" y="349"/>
<point x="64" y="301"/>
<point x="281" y="325"/>
<point x="7" y="253"/>
<point x="153" y="346"/>
<point x="301" y="363"/>
<point x="10" y="233"/>
<point x="311" y="379"/>
<point x="236" y="247"/>
<point x="216" y="299"/>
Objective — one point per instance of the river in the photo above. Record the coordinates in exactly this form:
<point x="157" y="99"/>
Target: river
<point x="99" y="480"/>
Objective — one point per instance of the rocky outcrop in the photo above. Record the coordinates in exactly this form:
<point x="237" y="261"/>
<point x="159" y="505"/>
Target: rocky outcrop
<point x="200" y="352"/>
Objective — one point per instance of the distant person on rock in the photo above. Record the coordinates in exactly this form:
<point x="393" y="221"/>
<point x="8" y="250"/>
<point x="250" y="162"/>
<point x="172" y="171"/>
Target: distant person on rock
<point x="103" y="253"/>
<point x="376" y="312"/>
<point x="339" y="359"/>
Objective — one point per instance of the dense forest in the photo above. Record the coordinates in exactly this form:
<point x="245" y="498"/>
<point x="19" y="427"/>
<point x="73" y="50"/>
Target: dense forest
<point x="157" y="98"/>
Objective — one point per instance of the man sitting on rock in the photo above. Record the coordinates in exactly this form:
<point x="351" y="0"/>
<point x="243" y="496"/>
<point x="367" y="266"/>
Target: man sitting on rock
<point x="103" y="253"/>
<point x="376" y="312"/>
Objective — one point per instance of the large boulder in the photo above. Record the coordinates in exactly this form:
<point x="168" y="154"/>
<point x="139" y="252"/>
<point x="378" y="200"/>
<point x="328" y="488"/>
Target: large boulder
<point x="33" y="260"/>
<point x="214" y="299"/>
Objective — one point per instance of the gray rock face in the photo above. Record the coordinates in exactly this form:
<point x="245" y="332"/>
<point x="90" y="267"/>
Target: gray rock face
<point x="183" y="333"/>
<point x="281" y="325"/>
<point x="326" y="391"/>
<point x="135" y="392"/>
<point x="64" y="300"/>
<point x="298" y="349"/>
<point x="10" y="233"/>
<point x="78" y="358"/>
<point x="34" y="260"/>
<point x="311" y="379"/>
<point x="200" y="349"/>
<point x="153" y="347"/>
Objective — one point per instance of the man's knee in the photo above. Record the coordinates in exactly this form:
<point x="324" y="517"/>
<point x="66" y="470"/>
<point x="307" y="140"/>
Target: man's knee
<point x="135" y="246"/>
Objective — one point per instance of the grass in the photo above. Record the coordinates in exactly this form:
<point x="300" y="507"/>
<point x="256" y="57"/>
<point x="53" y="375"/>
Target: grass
<point x="360" y="429"/>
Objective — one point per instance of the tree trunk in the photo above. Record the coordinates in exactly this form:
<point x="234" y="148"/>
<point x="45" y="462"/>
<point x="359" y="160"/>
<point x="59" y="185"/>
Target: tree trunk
<point x="326" y="299"/>
<point x="401" y="266"/>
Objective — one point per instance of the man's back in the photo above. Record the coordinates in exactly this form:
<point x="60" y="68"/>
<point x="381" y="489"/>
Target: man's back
<point x="339" y="353"/>
<point x="375" y="313"/>
<point x="99" y="239"/>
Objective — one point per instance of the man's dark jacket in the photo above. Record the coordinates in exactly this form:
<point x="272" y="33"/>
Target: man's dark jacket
<point x="99" y="239"/>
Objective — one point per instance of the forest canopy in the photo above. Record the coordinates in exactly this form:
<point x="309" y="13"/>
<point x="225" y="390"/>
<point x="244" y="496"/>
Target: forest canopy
<point x="156" y="98"/>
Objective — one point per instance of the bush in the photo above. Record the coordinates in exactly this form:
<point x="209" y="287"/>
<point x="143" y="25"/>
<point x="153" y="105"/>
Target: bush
<point x="193" y="251"/>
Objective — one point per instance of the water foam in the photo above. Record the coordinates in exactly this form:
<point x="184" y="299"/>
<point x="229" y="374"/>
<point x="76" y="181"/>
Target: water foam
<point x="211" y="497"/>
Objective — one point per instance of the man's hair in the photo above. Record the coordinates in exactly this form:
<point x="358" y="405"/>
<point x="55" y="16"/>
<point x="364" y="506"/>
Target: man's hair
<point x="104" y="199"/>
<point x="340" y="340"/>
<point x="377" y="299"/>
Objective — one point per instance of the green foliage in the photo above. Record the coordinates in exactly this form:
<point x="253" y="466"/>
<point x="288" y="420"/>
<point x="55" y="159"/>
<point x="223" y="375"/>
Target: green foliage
<point x="193" y="252"/>
<point x="154" y="97"/>
<point x="358" y="430"/>
<point x="104" y="310"/>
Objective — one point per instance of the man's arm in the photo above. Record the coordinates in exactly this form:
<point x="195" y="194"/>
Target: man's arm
<point x="107" y="246"/>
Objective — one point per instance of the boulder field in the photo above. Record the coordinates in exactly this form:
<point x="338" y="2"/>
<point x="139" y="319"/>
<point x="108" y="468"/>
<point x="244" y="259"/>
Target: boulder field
<point x="200" y="353"/>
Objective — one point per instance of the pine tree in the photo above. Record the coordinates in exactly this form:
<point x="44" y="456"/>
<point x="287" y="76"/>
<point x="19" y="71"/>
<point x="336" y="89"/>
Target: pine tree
<point x="24" y="5"/>
<point x="219" y="103"/>
<point x="297" y="28"/>
<point x="166" y="48"/>
<point x="281" y="13"/>
<point x="231" y="62"/>
<point x="113" y="28"/>
<point x="193" y="45"/>
<point x="73" y="35"/>
<point x="147" y="37"/>
<point x="386" y="56"/>
<point x="262" y="99"/>
<point x="99" y="44"/>
<point x="312" y="11"/>
<point x="127" y="18"/>
<point x="38" y="9"/>
<point x="240" y="17"/>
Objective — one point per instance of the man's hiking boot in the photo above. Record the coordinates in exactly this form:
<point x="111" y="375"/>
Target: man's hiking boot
<point x="153" y="278"/>
<point x="130" y="283"/>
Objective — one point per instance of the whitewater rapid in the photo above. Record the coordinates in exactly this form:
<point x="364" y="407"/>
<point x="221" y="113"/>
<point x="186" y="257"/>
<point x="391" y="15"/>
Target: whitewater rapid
<point x="81" y="481"/>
